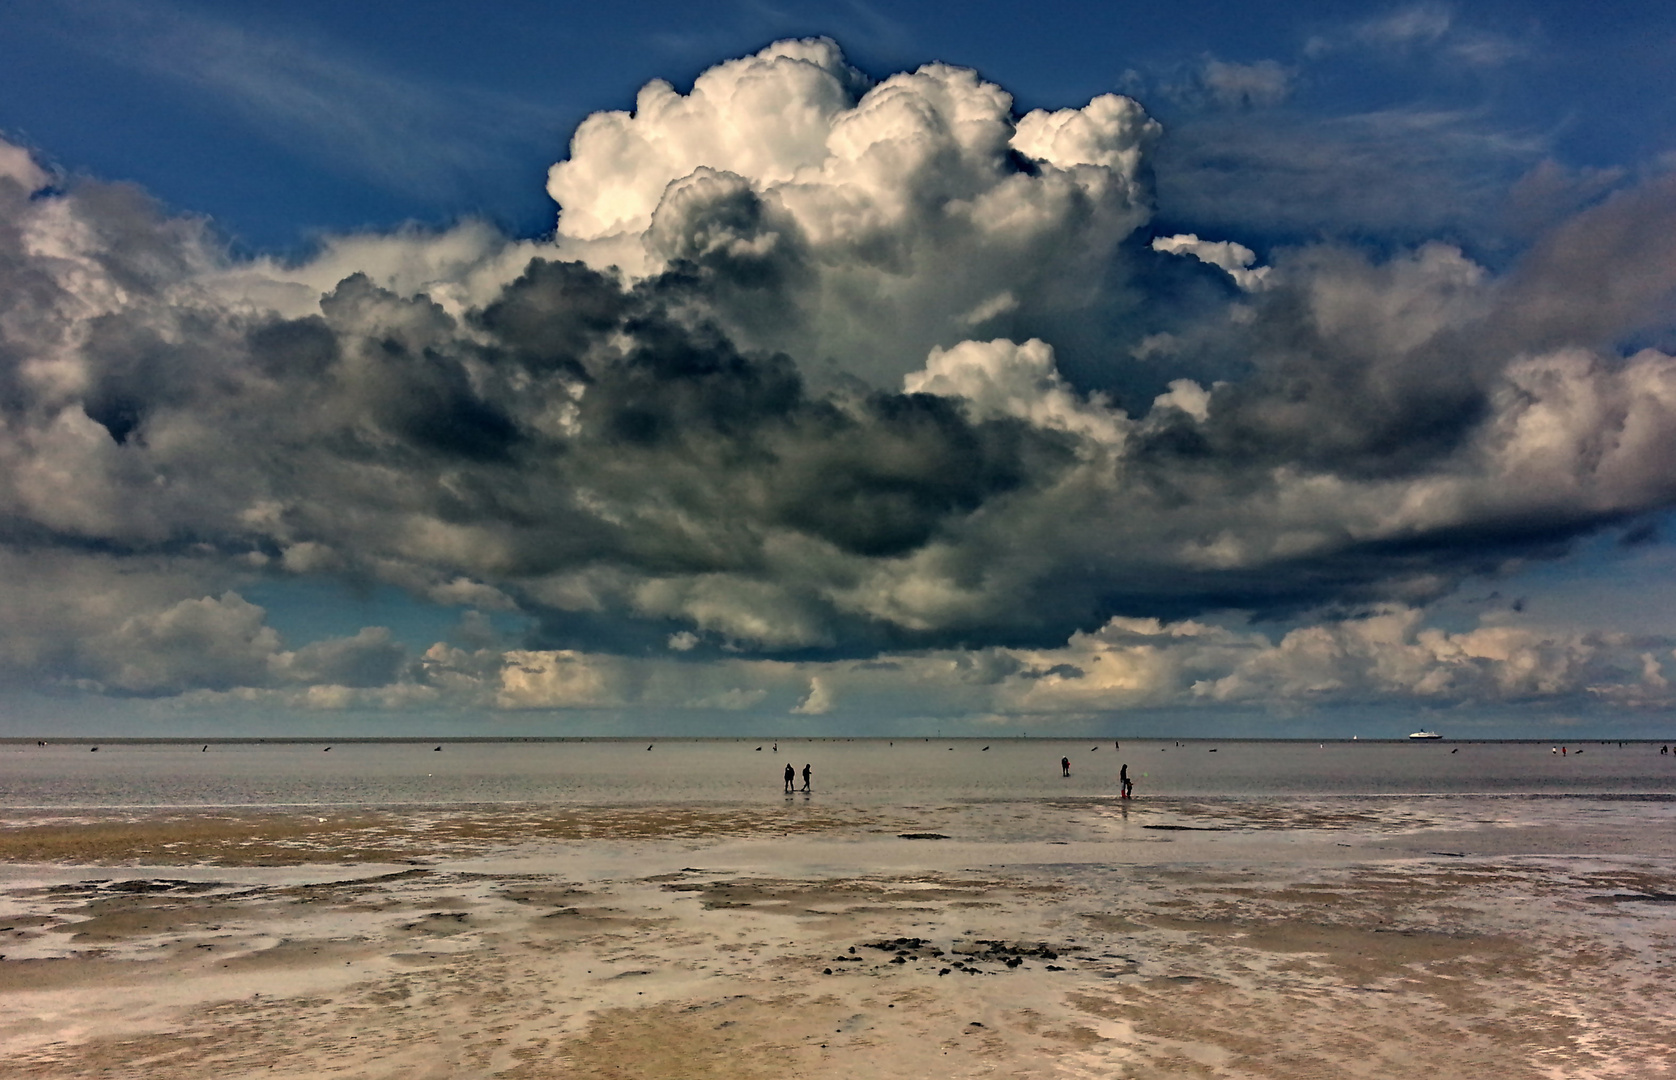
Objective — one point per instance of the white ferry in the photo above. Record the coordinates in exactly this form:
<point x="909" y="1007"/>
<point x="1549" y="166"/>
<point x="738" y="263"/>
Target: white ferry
<point x="1424" y="734"/>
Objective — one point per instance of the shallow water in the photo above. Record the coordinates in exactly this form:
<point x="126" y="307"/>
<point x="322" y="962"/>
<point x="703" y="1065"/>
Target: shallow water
<point x="859" y="772"/>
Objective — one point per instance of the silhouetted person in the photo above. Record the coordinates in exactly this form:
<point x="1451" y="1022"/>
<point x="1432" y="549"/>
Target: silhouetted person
<point x="1064" y="766"/>
<point x="791" y="775"/>
<point x="807" y="772"/>
<point x="1123" y="783"/>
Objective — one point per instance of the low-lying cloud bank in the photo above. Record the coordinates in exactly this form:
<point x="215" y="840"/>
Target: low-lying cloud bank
<point x="823" y="390"/>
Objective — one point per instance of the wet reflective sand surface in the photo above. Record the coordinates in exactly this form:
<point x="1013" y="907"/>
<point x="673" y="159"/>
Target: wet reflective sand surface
<point x="1397" y="937"/>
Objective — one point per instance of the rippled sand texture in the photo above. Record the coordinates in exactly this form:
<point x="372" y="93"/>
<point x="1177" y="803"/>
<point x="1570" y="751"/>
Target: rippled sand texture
<point x="1035" y="941"/>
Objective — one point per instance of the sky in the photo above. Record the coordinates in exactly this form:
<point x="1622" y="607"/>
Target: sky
<point x="1210" y="369"/>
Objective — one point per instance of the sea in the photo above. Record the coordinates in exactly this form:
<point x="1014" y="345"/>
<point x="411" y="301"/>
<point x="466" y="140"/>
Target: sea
<point x="135" y="774"/>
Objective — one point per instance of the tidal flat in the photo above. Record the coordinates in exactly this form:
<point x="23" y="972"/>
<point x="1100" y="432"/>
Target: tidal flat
<point x="1311" y="937"/>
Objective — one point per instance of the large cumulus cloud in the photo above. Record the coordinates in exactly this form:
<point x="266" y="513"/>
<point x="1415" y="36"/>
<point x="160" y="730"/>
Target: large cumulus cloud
<point x="815" y="370"/>
<point x="855" y="223"/>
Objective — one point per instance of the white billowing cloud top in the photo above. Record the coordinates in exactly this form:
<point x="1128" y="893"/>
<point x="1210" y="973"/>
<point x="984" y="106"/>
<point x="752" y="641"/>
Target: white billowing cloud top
<point x="767" y="117"/>
<point x="1003" y="378"/>
<point x="900" y="205"/>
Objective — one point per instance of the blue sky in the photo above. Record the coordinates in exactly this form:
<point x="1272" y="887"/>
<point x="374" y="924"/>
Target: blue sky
<point x="284" y="122"/>
<point x="1210" y="369"/>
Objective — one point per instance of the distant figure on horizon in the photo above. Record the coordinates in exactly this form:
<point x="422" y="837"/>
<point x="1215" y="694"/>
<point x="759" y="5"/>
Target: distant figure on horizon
<point x="1064" y="766"/>
<point x="807" y="771"/>
<point x="1123" y="783"/>
<point x="791" y="775"/>
<point x="1665" y="749"/>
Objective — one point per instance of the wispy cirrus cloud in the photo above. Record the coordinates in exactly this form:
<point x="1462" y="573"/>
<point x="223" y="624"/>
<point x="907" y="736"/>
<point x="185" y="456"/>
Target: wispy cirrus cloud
<point x="312" y="95"/>
<point x="1406" y="172"/>
<point x="1425" y="28"/>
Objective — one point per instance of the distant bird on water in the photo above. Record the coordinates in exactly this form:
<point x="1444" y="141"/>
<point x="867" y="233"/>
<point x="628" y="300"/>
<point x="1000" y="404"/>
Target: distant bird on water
<point x="759" y="749"/>
<point x="435" y="748"/>
<point x="94" y="750"/>
<point x="648" y="746"/>
<point x="986" y="748"/>
<point x="327" y="749"/>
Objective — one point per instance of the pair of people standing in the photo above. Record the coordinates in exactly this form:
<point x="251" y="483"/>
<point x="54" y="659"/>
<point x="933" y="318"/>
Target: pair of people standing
<point x="1125" y="785"/>
<point x="791" y="776"/>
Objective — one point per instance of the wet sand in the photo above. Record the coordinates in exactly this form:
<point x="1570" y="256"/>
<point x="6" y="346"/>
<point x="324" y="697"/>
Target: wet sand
<point x="1325" y="938"/>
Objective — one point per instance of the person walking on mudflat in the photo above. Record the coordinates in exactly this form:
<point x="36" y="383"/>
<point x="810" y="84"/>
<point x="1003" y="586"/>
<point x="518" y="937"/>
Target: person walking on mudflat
<point x="791" y="776"/>
<point x="807" y="771"/>
<point x="1064" y="766"/>
<point x="1123" y="782"/>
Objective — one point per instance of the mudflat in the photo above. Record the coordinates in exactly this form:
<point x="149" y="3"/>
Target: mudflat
<point x="1302" y="938"/>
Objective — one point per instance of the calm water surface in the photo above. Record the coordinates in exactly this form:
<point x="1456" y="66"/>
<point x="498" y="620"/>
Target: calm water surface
<point x="860" y="771"/>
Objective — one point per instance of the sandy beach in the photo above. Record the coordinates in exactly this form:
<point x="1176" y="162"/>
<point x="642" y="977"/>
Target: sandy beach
<point x="1297" y="938"/>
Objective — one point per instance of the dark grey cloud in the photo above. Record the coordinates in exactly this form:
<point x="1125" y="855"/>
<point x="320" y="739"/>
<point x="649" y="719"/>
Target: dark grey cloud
<point x="1598" y="277"/>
